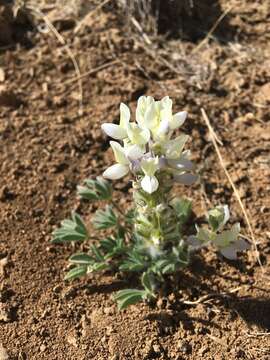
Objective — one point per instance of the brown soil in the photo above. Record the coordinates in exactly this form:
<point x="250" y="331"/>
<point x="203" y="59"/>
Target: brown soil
<point x="47" y="148"/>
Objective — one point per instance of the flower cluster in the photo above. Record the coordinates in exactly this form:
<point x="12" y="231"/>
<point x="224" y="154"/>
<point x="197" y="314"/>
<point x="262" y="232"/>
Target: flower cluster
<point x="148" y="148"/>
<point x="152" y="239"/>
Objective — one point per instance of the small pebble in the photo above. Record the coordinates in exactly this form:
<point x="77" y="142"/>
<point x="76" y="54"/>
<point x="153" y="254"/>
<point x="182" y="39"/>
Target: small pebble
<point x="3" y="353"/>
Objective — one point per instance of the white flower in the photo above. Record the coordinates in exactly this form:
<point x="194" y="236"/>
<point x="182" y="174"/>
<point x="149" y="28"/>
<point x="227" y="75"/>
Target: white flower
<point x="144" y="103"/>
<point x="137" y="135"/>
<point x="173" y="148"/>
<point x="120" y="169"/>
<point x="134" y="152"/>
<point x="228" y="243"/>
<point x="167" y="121"/>
<point x="149" y="167"/>
<point x="118" y="132"/>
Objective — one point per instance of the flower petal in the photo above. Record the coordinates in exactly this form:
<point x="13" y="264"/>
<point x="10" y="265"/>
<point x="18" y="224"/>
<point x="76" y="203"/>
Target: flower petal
<point x="134" y="152"/>
<point x="181" y="164"/>
<point x="163" y="128"/>
<point x="137" y="135"/>
<point x="242" y="245"/>
<point x="149" y="184"/>
<point x="194" y="242"/>
<point x="150" y="166"/>
<point x="116" y="171"/>
<point x="114" y="131"/>
<point x="174" y="148"/>
<point x="124" y="115"/>
<point x="227" y="237"/>
<point x="150" y="117"/>
<point x="119" y="153"/>
<point x="178" y="120"/>
<point x="143" y="103"/>
<point x="229" y="252"/>
<point x="186" y="179"/>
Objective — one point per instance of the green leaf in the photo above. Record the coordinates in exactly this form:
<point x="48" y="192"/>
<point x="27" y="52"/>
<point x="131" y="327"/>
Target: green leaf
<point x="128" y="297"/>
<point x="148" y="283"/>
<point x="98" y="255"/>
<point x="227" y="237"/>
<point x="218" y="217"/>
<point x="113" y="246"/>
<point x="98" y="266"/>
<point x="82" y="259"/>
<point x="105" y="219"/>
<point x="204" y="235"/>
<point x="135" y="262"/>
<point x="99" y="189"/>
<point x="71" y="230"/>
<point x="182" y="208"/>
<point x="76" y="272"/>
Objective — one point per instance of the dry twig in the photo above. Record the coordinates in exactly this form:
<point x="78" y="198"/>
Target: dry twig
<point x="236" y="193"/>
<point x="89" y="15"/>
<point x="207" y="297"/>
<point x="92" y="71"/>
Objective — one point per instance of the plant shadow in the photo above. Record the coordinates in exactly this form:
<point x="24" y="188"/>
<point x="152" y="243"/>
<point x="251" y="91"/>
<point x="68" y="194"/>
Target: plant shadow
<point x="193" y="20"/>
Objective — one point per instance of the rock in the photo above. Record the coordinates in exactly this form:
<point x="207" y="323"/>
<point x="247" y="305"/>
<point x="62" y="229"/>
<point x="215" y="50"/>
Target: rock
<point x="184" y="347"/>
<point x="4" y="313"/>
<point x="3" y="263"/>
<point x="263" y="95"/>
<point x="2" y="75"/>
<point x="72" y="340"/>
<point x="8" y="98"/>
<point x="157" y="349"/>
<point x="3" y="353"/>
<point x="42" y="348"/>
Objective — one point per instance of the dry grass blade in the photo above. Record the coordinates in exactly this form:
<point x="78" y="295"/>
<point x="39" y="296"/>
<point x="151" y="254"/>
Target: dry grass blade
<point x="69" y="52"/>
<point x="92" y="71"/>
<point x="236" y="193"/>
<point x="211" y="31"/>
<point x="89" y="15"/>
<point x="207" y="297"/>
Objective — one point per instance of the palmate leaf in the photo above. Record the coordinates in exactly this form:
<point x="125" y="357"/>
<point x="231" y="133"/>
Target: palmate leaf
<point x="71" y="230"/>
<point x="105" y="219"/>
<point x="135" y="262"/>
<point x="171" y="262"/>
<point x="128" y="297"/>
<point x="99" y="189"/>
<point x="113" y="246"/>
<point x="76" y="272"/>
<point x="86" y="264"/>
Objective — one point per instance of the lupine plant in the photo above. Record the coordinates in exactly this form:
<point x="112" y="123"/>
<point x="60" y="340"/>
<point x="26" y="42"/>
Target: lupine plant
<point x="150" y="239"/>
